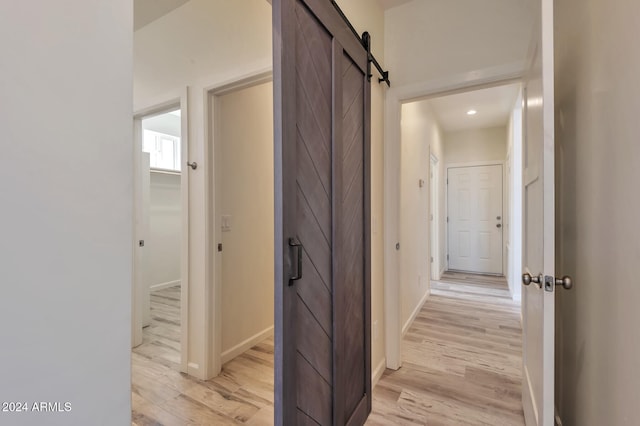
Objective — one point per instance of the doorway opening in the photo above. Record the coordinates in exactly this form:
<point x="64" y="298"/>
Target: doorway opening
<point x="440" y="139"/>
<point x="161" y="221"/>
<point x="240" y="116"/>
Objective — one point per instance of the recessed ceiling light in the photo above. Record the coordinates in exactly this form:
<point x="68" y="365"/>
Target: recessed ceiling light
<point x="472" y="112"/>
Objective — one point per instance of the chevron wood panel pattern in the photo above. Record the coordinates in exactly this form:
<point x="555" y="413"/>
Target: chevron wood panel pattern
<point x="314" y="365"/>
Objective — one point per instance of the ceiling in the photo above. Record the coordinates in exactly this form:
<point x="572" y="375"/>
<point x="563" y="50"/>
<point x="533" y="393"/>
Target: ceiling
<point x="493" y="106"/>
<point x="147" y="11"/>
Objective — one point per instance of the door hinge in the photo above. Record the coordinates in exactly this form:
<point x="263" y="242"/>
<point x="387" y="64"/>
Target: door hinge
<point x="219" y="246"/>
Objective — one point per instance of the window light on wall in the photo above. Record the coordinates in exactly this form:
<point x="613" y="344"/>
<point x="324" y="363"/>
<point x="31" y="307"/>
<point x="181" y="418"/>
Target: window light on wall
<point x="163" y="149"/>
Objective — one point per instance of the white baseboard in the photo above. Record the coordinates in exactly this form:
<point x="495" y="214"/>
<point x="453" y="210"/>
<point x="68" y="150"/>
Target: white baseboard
<point x="414" y="314"/>
<point x="245" y="345"/>
<point x="377" y="373"/>
<point x="193" y="369"/>
<point x="164" y="285"/>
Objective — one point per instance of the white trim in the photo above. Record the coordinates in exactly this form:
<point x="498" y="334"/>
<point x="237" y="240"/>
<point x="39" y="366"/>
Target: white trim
<point x="245" y="345"/>
<point x="475" y="164"/>
<point x="212" y="329"/>
<point x="378" y="372"/>
<point x="414" y="314"/>
<point x="395" y="96"/>
<point x="161" y="286"/>
<point x="434" y="221"/>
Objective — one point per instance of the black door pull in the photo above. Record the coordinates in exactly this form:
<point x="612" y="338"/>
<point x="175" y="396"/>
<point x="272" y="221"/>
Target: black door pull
<point x="293" y="243"/>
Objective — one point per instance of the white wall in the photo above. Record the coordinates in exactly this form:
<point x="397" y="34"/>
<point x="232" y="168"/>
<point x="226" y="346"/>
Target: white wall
<point x="165" y="230"/>
<point x="420" y="135"/>
<point x="202" y="40"/>
<point x="430" y="40"/>
<point x="201" y="44"/>
<point x="597" y="232"/>
<point x="65" y="179"/>
<point x="246" y="196"/>
<point x="476" y="145"/>
<point x="366" y="15"/>
<point x="513" y="205"/>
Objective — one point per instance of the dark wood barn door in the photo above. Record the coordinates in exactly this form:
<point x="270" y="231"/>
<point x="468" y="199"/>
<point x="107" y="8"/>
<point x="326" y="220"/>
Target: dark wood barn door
<point x="322" y="160"/>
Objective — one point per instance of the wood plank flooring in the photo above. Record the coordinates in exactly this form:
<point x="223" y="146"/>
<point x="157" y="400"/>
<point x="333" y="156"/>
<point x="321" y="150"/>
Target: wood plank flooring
<point x="161" y="395"/>
<point x="461" y="359"/>
<point x="461" y="366"/>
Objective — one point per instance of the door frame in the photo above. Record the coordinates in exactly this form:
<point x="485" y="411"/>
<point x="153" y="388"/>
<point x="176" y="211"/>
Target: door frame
<point x="446" y="203"/>
<point x="395" y="97"/>
<point x="213" y="231"/>
<point x="177" y="99"/>
<point x="434" y="219"/>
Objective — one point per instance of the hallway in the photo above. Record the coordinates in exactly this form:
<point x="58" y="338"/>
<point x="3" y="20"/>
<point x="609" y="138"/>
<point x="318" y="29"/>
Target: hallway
<point x="461" y="359"/>
<point x="462" y="363"/>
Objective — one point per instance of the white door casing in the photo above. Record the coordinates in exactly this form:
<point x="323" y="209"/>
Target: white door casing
<point x="475" y="218"/>
<point x="394" y="98"/>
<point x="538" y="300"/>
<point x="434" y="246"/>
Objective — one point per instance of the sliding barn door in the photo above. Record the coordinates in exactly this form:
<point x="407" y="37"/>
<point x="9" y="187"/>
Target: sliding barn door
<point x="322" y="315"/>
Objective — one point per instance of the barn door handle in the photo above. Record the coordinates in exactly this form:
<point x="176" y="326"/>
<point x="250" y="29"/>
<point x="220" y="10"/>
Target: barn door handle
<point x="298" y="245"/>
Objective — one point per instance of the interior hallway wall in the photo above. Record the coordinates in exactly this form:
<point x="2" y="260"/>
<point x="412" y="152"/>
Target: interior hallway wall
<point x="597" y="232"/>
<point x="420" y="136"/>
<point x="431" y="40"/>
<point x="474" y="145"/>
<point x="165" y="230"/>
<point x="246" y="198"/>
<point x="66" y="174"/>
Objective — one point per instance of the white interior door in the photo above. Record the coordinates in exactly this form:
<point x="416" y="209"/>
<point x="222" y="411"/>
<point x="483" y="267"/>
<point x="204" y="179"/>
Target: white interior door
<point x="475" y="219"/>
<point x="144" y="263"/>
<point x="538" y="302"/>
<point x="141" y="309"/>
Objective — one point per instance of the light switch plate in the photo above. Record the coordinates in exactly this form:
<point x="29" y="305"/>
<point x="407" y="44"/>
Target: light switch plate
<point x="225" y="222"/>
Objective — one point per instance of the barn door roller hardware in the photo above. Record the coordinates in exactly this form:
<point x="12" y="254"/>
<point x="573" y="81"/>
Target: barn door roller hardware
<point x="365" y="40"/>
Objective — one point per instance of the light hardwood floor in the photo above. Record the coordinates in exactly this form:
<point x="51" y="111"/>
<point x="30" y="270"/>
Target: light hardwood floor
<point x="461" y="366"/>
<point x="461" y="359"/>
<point x="161" y="395"/>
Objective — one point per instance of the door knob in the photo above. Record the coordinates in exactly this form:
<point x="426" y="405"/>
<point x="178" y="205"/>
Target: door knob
<point x="528" y="279"/>
<point x="566" y="282"/>
<point x="499" y="225"/>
